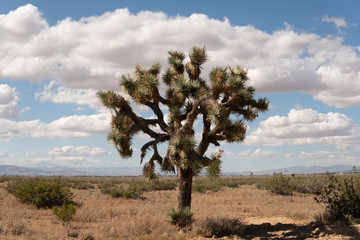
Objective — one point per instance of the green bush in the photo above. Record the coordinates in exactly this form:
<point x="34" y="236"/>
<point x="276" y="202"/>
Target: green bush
<point x="204" y="185"/>
<point x="4" y="179"/>
<point x="159" y="185"/>
<point x="181" y="218"/>
<point x="122" y="191"/>
<point x="65" y="213"/>
<point x="81" y="185"/>
<point x="136" y="188"/>
<point x="309" y="184"/>
<point x="278" y="184"/>
<point x="342" y="199"/>
<point x="42" y="193"/>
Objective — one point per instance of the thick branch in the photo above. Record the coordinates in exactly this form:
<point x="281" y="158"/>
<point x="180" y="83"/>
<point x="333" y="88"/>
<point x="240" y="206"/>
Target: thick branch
<point x="141" y="122"/>
<point x="156" y="109"/>
<point x="164" y="101"/>
<point x="151" y="121"/>
<point x="156" y="155"/>
<point x="204" y="143"/>
<point x="192" y="115"/>
<point x="205" y="161"/>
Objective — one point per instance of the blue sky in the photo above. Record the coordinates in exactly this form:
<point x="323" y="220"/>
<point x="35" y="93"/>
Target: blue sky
<point x="303" y="55"/>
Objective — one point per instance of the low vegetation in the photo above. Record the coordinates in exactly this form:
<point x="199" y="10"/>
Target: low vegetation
<point x="65" y="213"/>
<point x="115" y="207"/>
<point x="289" y="184"/>
<point x="340" y="194"/>
<point x="182" y="218"/>
<point x="42" y="193"/>
<point x="341" y="197"/>
<point x="135" y="188"/>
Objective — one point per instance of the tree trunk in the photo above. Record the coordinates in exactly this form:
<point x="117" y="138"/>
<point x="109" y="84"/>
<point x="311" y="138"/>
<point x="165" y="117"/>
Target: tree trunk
<point x="185" y="187"/>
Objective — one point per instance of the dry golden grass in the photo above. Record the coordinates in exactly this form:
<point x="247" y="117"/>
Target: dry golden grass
<point x="103" y="217"/>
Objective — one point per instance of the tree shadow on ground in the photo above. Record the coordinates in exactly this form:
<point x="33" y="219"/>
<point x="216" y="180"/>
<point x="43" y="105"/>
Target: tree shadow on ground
<point x="293" y="231"/>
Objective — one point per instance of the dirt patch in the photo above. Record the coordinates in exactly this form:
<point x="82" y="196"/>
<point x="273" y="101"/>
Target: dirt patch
<point x="284" y="228"/>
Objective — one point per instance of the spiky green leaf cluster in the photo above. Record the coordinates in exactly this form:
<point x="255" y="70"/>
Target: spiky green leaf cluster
<point x="122" y="131"/>
<point x="142" y="86"/>
<point x="111" y="99"/>
<point x="198" y="56"/>
<point x="180" y="218"/>
<point x="213" y="170"/>
<point x="182" y="145"/>
<point x="148" y="170"/>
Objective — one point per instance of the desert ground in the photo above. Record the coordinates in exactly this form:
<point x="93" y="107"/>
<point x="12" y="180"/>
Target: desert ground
<point x="256" y="213"/>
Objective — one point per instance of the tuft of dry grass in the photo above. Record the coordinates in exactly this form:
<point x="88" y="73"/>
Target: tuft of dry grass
<point x="221" y="226"/>
<point x="14" y="226"/>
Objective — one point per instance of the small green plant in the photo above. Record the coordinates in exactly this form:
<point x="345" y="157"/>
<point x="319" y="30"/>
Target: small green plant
<point x="342" y="200"/>
<point x="42" y="193"/>
<point x="182" y="218"/>
<point x="65" y="213"/>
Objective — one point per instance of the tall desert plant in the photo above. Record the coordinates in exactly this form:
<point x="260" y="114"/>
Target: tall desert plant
<point x="222" y="104"/>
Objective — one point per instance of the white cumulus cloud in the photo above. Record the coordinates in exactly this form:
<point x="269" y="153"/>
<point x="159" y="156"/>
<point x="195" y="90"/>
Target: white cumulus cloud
<point x="306" y="126"/>
<point x="93" y="52"/>
<point x="82" y="151"/>
<point x="59" y="94"/>
<point x="253" y="154"/>
<point x="338" y="22"/>
<point x="8" y="102"/>
<point x="66" y="127"/>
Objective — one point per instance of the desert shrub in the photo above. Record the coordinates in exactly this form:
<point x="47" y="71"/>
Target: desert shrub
<point x="341" y="198"/>
<point x="182" y="218"/>
<point x="65" y="213"/>
<point x="122" y="191"/>
<point x="160" y="185"/>
<point x="278" y="184"/>
<point x="309" y="184"/>
<point x="221" y="226"/>
<point x="132" y="192"/>
<point x="202" y="186"/>
<point x="81" y="185"/>
<point x="4" y="179"/>
<point x="42" y="193"/>
<point x="136" y="188"/>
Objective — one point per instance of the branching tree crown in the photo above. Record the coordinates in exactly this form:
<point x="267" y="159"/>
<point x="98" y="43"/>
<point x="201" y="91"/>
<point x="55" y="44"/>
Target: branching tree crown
<point x="224" y="104"/>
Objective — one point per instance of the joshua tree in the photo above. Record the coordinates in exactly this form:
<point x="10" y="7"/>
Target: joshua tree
<point x="222" y="105"/>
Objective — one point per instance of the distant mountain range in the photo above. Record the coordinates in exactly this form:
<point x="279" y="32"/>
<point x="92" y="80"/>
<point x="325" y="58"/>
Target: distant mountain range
<point x="12" y="170"/>
<point x="303" y="170"/>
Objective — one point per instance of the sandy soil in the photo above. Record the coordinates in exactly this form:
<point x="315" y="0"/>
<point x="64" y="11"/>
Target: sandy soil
<point x="265" y="216"/>
<point x="284" y="228"/>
